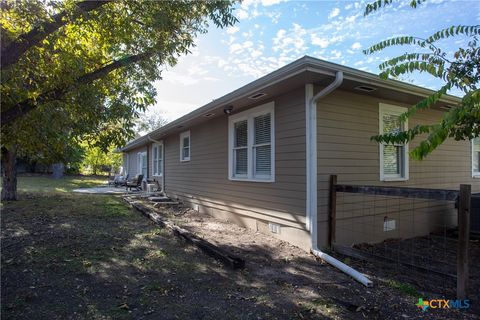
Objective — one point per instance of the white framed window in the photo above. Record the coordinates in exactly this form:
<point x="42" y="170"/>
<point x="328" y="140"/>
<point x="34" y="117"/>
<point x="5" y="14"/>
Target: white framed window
<point x="251" y="155"/>
<point x="185" y="146"/>
<point x="476" y="157"/>
<point x="157" y="159"/>
<point x="393" y="157"/>
<point x="142" y="164"/>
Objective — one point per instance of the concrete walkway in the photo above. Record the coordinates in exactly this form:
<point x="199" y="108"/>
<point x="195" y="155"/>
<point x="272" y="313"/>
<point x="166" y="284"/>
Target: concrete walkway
<point x="104" y="190"/>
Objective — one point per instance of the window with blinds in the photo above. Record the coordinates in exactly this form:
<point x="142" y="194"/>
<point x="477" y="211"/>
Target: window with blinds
<point x="262" y="146"/>
<point x="185" y="146"/>
<point x="251" y="149"/>
<point x="157" y="151"/>
<point x="393" y="157"/>
<point x="240" y="149"/>
<point x="476" y="157"/>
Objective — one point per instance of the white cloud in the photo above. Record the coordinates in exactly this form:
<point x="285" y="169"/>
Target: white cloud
<point x="291" y="42"/>
<point x="191" y="76"/>
<point x="338" y="38"/>
<point x="247" y="3"/>
<point x="274" y="16"/>
<point x="260" y="46"/>
<point x="235" y="48"/>
<point x="280" y="35"/>
<point x="172" y="110"/>
<point x="247" y="44"/>
<point x="335" y="12"/>
<point x="255" y="53"/>
<point x="231" y="40"/>
<point x="350" y="19"/>
<point x="267" y="3"/>
<point x="336" y="54"/>
<point x="213" y="79"/>
<point x="321" y="42"/>
<point x="299" y="32"/>
<point x="242" y="14"/>
<point x="233" y="30"/>
<point x="356" y="46"/>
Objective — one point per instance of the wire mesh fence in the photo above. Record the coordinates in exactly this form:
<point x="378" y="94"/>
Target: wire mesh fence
<point x="406" y="236"/>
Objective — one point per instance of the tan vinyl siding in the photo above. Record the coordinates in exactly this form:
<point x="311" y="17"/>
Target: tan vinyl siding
<point x="346" y="121"/>
<point x="203" y="181"/>
<point x="133" y="160"/>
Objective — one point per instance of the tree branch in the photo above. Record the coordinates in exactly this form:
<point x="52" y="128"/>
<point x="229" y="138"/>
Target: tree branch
<point x="24" y="107"/>
<point x="12" y="53"/>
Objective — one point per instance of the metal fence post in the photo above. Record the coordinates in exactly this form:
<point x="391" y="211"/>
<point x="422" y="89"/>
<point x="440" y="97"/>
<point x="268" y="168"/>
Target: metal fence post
<point x="332" y="212"/>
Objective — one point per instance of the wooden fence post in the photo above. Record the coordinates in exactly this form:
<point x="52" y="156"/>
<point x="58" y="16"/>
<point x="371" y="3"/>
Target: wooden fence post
<point x="332" y="211"/>
<point x="464" y="204"/>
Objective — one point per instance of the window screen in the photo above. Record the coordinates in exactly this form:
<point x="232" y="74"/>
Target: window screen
<point x="262" y="146"/>
<point x="476" y="155"/>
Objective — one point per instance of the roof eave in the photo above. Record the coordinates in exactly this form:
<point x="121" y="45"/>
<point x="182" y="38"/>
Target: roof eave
<point x="281" y="74"/>
<point x="303" y="64"/>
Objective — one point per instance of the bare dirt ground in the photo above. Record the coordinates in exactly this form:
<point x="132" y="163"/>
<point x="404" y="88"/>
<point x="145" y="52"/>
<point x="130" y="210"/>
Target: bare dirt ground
<point x="93" y="257"/>
<point x="437" y="254"/>
<point x="270" y="258"/>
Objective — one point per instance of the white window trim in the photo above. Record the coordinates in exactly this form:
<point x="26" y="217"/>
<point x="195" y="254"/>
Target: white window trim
<point x="474" y="174"/>
<point x="127" y="165"/>
<point x="139" y="164"/>
<point x="395" y="110"/>
<point x="183" y="135"/>
<point x="156" y="145"/>
<point x="249" y="115"/>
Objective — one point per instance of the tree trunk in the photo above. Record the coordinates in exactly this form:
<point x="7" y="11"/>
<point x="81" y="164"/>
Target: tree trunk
<point x="9" y="174"/>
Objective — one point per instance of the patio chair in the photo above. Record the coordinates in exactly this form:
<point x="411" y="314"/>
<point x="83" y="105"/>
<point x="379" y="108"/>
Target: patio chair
<point x="136" y="182"/>
<point x="120" y="181"/>
<point x="112" y="180"/>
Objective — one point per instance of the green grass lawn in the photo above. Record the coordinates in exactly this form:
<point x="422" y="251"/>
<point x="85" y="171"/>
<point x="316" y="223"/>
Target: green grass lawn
<point x="46" y="184"/>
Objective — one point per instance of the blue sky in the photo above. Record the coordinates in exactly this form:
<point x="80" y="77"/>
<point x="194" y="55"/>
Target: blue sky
<point x="272" y="33"/>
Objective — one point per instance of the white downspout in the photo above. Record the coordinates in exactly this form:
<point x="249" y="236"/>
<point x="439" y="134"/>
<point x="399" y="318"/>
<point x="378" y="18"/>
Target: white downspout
<point x="311" y="105"/>
<point x="163" y="162"/>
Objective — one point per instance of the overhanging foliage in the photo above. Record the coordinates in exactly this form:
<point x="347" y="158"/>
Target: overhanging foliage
<point x="459" y="71"/>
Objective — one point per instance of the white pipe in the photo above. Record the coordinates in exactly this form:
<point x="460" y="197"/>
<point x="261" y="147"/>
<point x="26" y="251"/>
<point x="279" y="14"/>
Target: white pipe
<point x="312" y="178"/>
<point x="343" y="267"/>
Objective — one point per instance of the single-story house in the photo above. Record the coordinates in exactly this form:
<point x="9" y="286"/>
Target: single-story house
<point x="261" y="156"/>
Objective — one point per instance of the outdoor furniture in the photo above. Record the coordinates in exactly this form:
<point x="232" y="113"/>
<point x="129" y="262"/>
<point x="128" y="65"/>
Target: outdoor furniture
<point x="120" y="181"/>
<point x="153" y="185"/>
<point x="114" y="180"/>
<point x="136" y="182"/>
